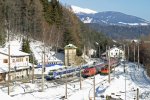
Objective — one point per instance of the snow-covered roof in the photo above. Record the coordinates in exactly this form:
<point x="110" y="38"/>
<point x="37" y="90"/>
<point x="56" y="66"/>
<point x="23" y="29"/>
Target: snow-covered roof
<point x="115" y="48"/>
<point x="13" y="52"/>
<point x="69" y="46"/>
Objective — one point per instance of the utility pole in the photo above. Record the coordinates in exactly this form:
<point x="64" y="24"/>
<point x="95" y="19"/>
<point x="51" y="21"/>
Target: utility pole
<point x="106" y="53"/>
<point x="43" y="65"/>
<point x="66" y="85"/>
<point x="134" y="52"/>
<point x="80" y="79"/>
<point x="66" y="73"/>
<point x="99" y="51"/>
<point x="33" y="69"/>
<point x="128" y="53"/>
<point x="109" y="64"/>
<point x="137" y="94"/>
<point x="84" y="54"/>
<point x="125" y="71"/>
<point x="94" y="87"/>
<point x="138" y="56"/>
<point x="9" y="69"/>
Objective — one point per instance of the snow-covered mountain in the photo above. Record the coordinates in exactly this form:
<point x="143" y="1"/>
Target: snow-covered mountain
<point x="108" y="17"/>
<point x="79" y="10"/>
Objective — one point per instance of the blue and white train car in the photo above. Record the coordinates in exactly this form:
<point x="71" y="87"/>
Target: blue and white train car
<point x="55" y="74"/>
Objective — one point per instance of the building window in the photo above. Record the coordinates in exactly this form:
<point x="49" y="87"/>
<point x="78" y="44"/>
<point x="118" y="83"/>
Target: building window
<point x="121" y="53"/>
<point x="111" y="53"/>
<point x="21" y="59"/>
<point x="17" y="60"/>
<point x="5" y="61"/>
<point x="26" y="59"/>
<point x="13" y="60"/>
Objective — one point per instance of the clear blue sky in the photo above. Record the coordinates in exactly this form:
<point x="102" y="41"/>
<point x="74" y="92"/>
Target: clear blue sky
<point x="139" y="8"/>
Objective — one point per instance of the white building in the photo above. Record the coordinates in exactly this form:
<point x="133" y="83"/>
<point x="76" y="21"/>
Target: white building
<point x="19" y="63"/>
<point x="115" y="52"/>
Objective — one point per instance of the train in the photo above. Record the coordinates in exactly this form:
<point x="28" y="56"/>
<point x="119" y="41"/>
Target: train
<point x="65" y="71"/>
<point x="100" y="68"/>
<point x="86" y="70"/>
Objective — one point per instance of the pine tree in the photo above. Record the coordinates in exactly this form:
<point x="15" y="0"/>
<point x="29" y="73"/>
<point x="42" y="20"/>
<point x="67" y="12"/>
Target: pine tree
<point x="26" y="48"/>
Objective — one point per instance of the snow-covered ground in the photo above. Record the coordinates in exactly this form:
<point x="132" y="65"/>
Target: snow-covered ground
<point x="37" y="49"/>
<point x="120" y="82"/>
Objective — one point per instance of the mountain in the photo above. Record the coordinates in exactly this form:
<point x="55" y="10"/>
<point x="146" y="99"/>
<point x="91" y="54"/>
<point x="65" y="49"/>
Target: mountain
<point x="107" y="17"/>
<point x="112" y="18"/>
<point x="116" y="25"/>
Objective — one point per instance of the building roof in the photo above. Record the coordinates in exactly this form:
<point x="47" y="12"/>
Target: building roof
<point x="70" y="46"/>
<point x="116" y="47"/>
<point x="13" y="52"/>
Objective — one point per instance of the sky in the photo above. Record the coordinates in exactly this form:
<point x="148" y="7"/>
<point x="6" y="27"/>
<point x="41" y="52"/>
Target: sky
<point x="139" y="8"/>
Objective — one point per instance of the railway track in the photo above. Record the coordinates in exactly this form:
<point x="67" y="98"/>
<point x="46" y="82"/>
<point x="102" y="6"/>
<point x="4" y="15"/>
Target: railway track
<point x="99" y="84"/>
<point x="138" y="77"/>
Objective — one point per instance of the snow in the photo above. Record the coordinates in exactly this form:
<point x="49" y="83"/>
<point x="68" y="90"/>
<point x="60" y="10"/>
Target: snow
<point x="5" y="96"/>
<point x="120" y="82"/>
<point x="14" y="44"/>
<point x="37" y="48"/>
<point x="104" y="21"/>
<point x="134" y="24"/>
<point x="13" y="52"/>
<point x="87" y="20"/>
<point x="135" y="78"/>
<point x="82" y="10"/>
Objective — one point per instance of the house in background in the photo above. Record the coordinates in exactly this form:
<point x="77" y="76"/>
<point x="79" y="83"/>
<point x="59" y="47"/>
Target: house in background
<point x="114" y="52"/>
<point x="19" y="64"/>
<point x="70" y="54"/>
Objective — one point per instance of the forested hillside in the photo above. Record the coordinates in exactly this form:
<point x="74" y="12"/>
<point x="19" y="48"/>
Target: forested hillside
<point x="122" y="32"/>
<point x="47" y="21"/>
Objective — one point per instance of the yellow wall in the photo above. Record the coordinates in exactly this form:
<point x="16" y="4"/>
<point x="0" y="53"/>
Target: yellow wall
<point x="71" y="53"/>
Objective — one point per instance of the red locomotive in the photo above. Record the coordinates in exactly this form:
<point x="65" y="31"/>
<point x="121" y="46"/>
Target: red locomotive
<point x="104" y="70"/>
<point x="101" y="68"/>
<point x="89" y="72"/>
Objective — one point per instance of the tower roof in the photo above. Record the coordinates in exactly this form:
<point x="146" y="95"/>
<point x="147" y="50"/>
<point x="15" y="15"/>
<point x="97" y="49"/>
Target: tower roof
<point x="70" y="46"/>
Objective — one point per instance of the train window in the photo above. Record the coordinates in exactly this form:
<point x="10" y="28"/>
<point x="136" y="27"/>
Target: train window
<point x="64" y="72"/>
<point x="50" y="73"/>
